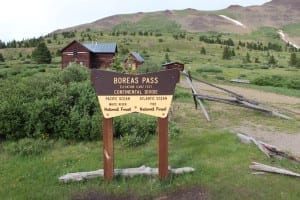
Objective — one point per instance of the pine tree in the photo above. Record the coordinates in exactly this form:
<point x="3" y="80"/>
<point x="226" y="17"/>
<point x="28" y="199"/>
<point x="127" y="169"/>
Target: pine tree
<point x="226" y="53"/>
<point x="257" y="60"/>
<point x="167" y="59"/>
<point x="2" y="45"/>
<point x="293" y="59"/>
<point x="116" y="65"/>
<point x="41" y="54"/>
<point x="247" y="59"/>
<point x="203" y="51"/>
<point x="298" y="63"/>
<point x="1" y="58"/>
<point x="272" y="60"/>
<point x="232" y="52"/>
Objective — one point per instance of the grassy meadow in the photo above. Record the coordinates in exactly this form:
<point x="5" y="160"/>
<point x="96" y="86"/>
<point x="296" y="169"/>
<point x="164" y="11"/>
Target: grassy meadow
<point x="220" y="160"/>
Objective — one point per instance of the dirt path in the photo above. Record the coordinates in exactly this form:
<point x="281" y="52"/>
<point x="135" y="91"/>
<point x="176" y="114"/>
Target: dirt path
<point x="288" y="103"/>
<point x="282" y="140"/>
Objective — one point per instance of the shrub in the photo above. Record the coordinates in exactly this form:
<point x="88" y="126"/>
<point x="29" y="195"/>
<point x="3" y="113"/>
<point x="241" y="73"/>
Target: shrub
<point x="134" y="140"/>
<point x="43" y="103"/>
<point x="264" y="67"/>
<point x="42" y="70"/>
<point x="274" y="80"/>
<point x="294" y="84"/>
<point x="174" y="130"/>
<point x="15" y="72"/>
<point x="134" y="129"/>
<point x="137" y="129"/>
<point x="211" y="69"/>
<point x="13" y="116"/>
<point x="278" y="81"/>
<point x="74" y="73"/>
<point x="218" y="77"/>
<point x="147" y="68"/>
<point x="3" y="75"/>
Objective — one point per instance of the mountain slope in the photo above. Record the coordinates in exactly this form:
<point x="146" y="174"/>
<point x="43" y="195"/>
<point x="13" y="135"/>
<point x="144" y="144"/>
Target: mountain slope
<point x="276" y="13"/>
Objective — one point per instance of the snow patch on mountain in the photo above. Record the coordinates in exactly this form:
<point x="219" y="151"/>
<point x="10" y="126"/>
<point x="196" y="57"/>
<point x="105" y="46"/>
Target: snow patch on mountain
<point x="236" y="22"/>
<point x="285" y="38"/>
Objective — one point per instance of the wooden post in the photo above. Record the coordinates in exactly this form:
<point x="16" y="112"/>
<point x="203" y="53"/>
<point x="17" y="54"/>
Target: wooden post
<point x="108" y="148"/>
<point x="163" y="147"/>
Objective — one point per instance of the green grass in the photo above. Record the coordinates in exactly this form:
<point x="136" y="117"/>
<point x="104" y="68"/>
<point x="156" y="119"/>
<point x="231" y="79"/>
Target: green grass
<point x="221" y="162"/>
<point x="150" y="24"/>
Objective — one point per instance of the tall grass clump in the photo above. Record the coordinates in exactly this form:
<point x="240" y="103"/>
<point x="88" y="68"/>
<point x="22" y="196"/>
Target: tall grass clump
<point x="28" y="147"/>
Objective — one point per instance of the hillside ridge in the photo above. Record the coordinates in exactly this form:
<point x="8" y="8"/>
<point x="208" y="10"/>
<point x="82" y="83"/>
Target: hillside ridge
<point x="276" y="13"/>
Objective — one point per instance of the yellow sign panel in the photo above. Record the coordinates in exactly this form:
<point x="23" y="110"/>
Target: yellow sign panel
<point x="120" y="94"/>
<point x="155" y="105"/>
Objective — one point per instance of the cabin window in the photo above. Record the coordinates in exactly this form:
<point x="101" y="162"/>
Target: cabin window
<point x="75" y="52"/>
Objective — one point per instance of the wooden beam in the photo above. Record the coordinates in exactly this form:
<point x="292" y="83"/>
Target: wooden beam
<point x="108" y="148"/>
<point x="163" y="147"/>
<point x="189" y="80"/>
<point x="267" y="168"/>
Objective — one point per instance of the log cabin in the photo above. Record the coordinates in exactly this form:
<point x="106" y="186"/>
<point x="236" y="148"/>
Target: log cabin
<point x="133" y="61"/>
<point x="91" y="55"/>
<point x="173" y="65"/>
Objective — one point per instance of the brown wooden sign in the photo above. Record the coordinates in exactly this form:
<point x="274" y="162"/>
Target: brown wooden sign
<point x="120" y="94"/>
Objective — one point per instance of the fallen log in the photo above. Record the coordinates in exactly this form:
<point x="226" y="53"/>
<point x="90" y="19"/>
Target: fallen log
<point x="266" y="168"/>
<point x="274" y="151"/>
<point x="143" y="170"/>
<point x="234" y="80"/>
<point x="247" y="140"/>
<point x="267" y="149"/>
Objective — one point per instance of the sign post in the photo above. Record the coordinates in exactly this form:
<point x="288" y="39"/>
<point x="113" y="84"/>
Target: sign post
<point x="120" y="94"/>
<point x="108" y="148"/>
<point x="163" y="147"/>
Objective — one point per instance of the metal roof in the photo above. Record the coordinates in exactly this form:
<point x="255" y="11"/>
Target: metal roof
<point x="172" y="63"/>
<point x="137" y="56"/>
<point x="101" y="47"/>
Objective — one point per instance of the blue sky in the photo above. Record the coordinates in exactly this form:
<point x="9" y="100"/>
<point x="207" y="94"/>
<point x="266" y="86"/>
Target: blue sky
<point x="22" y="19"/>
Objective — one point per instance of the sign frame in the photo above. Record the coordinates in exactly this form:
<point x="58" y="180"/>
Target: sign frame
<point x="157" y="87"/>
